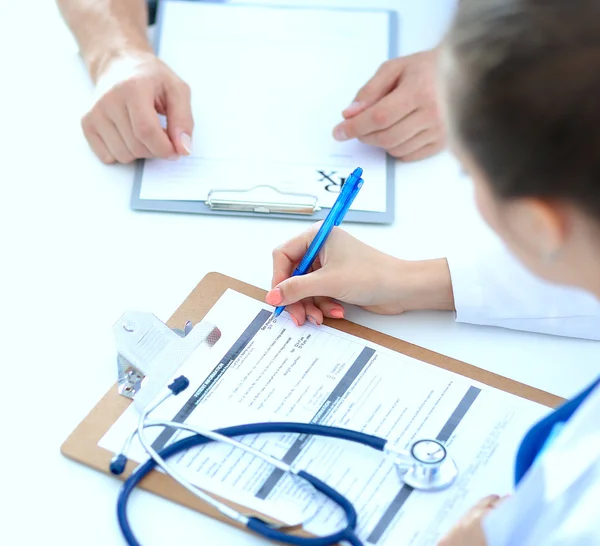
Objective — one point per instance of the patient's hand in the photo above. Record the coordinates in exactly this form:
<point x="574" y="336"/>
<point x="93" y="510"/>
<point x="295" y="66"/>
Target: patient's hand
<point x="123" y="124"/>
<point x="397" y="109"/>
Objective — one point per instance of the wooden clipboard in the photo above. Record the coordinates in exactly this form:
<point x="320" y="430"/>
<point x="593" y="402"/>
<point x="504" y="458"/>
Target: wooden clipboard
<point x="82" y="444"/>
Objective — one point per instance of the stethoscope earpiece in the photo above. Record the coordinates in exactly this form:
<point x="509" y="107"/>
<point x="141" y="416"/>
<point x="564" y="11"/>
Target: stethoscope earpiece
<point x="118" y="464"/>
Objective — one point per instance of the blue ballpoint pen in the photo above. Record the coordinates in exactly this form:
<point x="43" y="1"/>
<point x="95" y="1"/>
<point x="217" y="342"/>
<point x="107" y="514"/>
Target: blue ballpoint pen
<point x="335" y="217"/>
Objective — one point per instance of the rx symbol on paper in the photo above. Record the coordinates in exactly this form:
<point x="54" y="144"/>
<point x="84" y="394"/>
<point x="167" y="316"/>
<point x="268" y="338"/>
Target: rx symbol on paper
<point x="333" y="182"/>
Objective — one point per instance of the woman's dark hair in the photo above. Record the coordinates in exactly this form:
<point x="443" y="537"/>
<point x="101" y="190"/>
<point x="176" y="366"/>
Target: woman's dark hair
<point x="523" y="83"/>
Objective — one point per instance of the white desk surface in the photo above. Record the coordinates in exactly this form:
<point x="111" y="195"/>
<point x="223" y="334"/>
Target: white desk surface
<point x="74" y="257"/>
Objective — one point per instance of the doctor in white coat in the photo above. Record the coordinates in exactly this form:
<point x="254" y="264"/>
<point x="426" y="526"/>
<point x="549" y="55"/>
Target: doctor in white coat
<point x="519" y="88"/>
<point x="490" y="287"/>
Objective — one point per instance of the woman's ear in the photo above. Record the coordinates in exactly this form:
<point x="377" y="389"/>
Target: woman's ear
<point x="537" y="227"/>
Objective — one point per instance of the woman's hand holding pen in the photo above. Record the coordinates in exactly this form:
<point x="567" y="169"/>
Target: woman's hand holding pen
<point x="352" y="272"/>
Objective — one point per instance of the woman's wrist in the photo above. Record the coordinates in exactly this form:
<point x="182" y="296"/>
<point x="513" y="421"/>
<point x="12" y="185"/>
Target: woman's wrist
<point x="424" y="284"/>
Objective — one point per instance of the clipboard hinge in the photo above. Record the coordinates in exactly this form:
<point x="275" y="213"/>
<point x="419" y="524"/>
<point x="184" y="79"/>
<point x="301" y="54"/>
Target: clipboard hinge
<point x="149" y="353"/>
<point x="263" y="199"/>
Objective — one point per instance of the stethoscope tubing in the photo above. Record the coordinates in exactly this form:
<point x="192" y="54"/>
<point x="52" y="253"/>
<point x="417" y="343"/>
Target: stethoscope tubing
<point x="347" y="534"/>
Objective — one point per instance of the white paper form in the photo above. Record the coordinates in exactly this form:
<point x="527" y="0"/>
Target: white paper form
<point x="268" y="86"/>
<point x="265" y="371"/>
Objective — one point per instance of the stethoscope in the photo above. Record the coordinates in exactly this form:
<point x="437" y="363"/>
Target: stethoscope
<point x="426" y="466"/>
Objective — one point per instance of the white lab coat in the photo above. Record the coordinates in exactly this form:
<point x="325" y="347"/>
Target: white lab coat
<point x="492" y="288"/>
<point x="557" y="502"/>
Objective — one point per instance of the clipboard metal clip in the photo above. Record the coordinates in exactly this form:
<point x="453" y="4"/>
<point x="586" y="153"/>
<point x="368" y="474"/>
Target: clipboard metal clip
<point x="263" y="199"/>
<point x="149" y="353"/>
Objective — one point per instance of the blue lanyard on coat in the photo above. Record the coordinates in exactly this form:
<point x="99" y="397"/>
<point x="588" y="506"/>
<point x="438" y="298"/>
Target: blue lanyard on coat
<point x="535" y="440"/>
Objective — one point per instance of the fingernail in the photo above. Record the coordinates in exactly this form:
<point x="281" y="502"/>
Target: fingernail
<point x="353" y="106"/>
<point x="337" y="313"/>
<point x="274" y="297"/>
<point x="295" y="320"/>
<point x="339" y="134"/>
<point x="173" y="157"/>
<point x="186" y="142"/>
<point x="312" y="320"/>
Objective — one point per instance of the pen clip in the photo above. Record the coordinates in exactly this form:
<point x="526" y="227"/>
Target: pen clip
<point x="352" y="193"/>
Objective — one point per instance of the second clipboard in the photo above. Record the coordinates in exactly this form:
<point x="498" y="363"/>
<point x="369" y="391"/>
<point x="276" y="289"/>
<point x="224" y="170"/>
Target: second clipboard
<point x="205" y="183"/>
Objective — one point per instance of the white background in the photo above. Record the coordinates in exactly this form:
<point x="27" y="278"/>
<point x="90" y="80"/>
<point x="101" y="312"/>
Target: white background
<point x="73" y="257"/>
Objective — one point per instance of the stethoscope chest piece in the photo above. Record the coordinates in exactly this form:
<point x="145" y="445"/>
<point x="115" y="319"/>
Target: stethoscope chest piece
<point x="432" y="469"/>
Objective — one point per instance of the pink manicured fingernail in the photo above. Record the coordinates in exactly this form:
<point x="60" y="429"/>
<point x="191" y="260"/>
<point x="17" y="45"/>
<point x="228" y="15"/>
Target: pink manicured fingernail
<point x="295" y="320"/>
<point x="339" y="134"/>
<point x="274" y="297"/>
<point x="337" y="313"/>
<point x="312" y="320"/>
